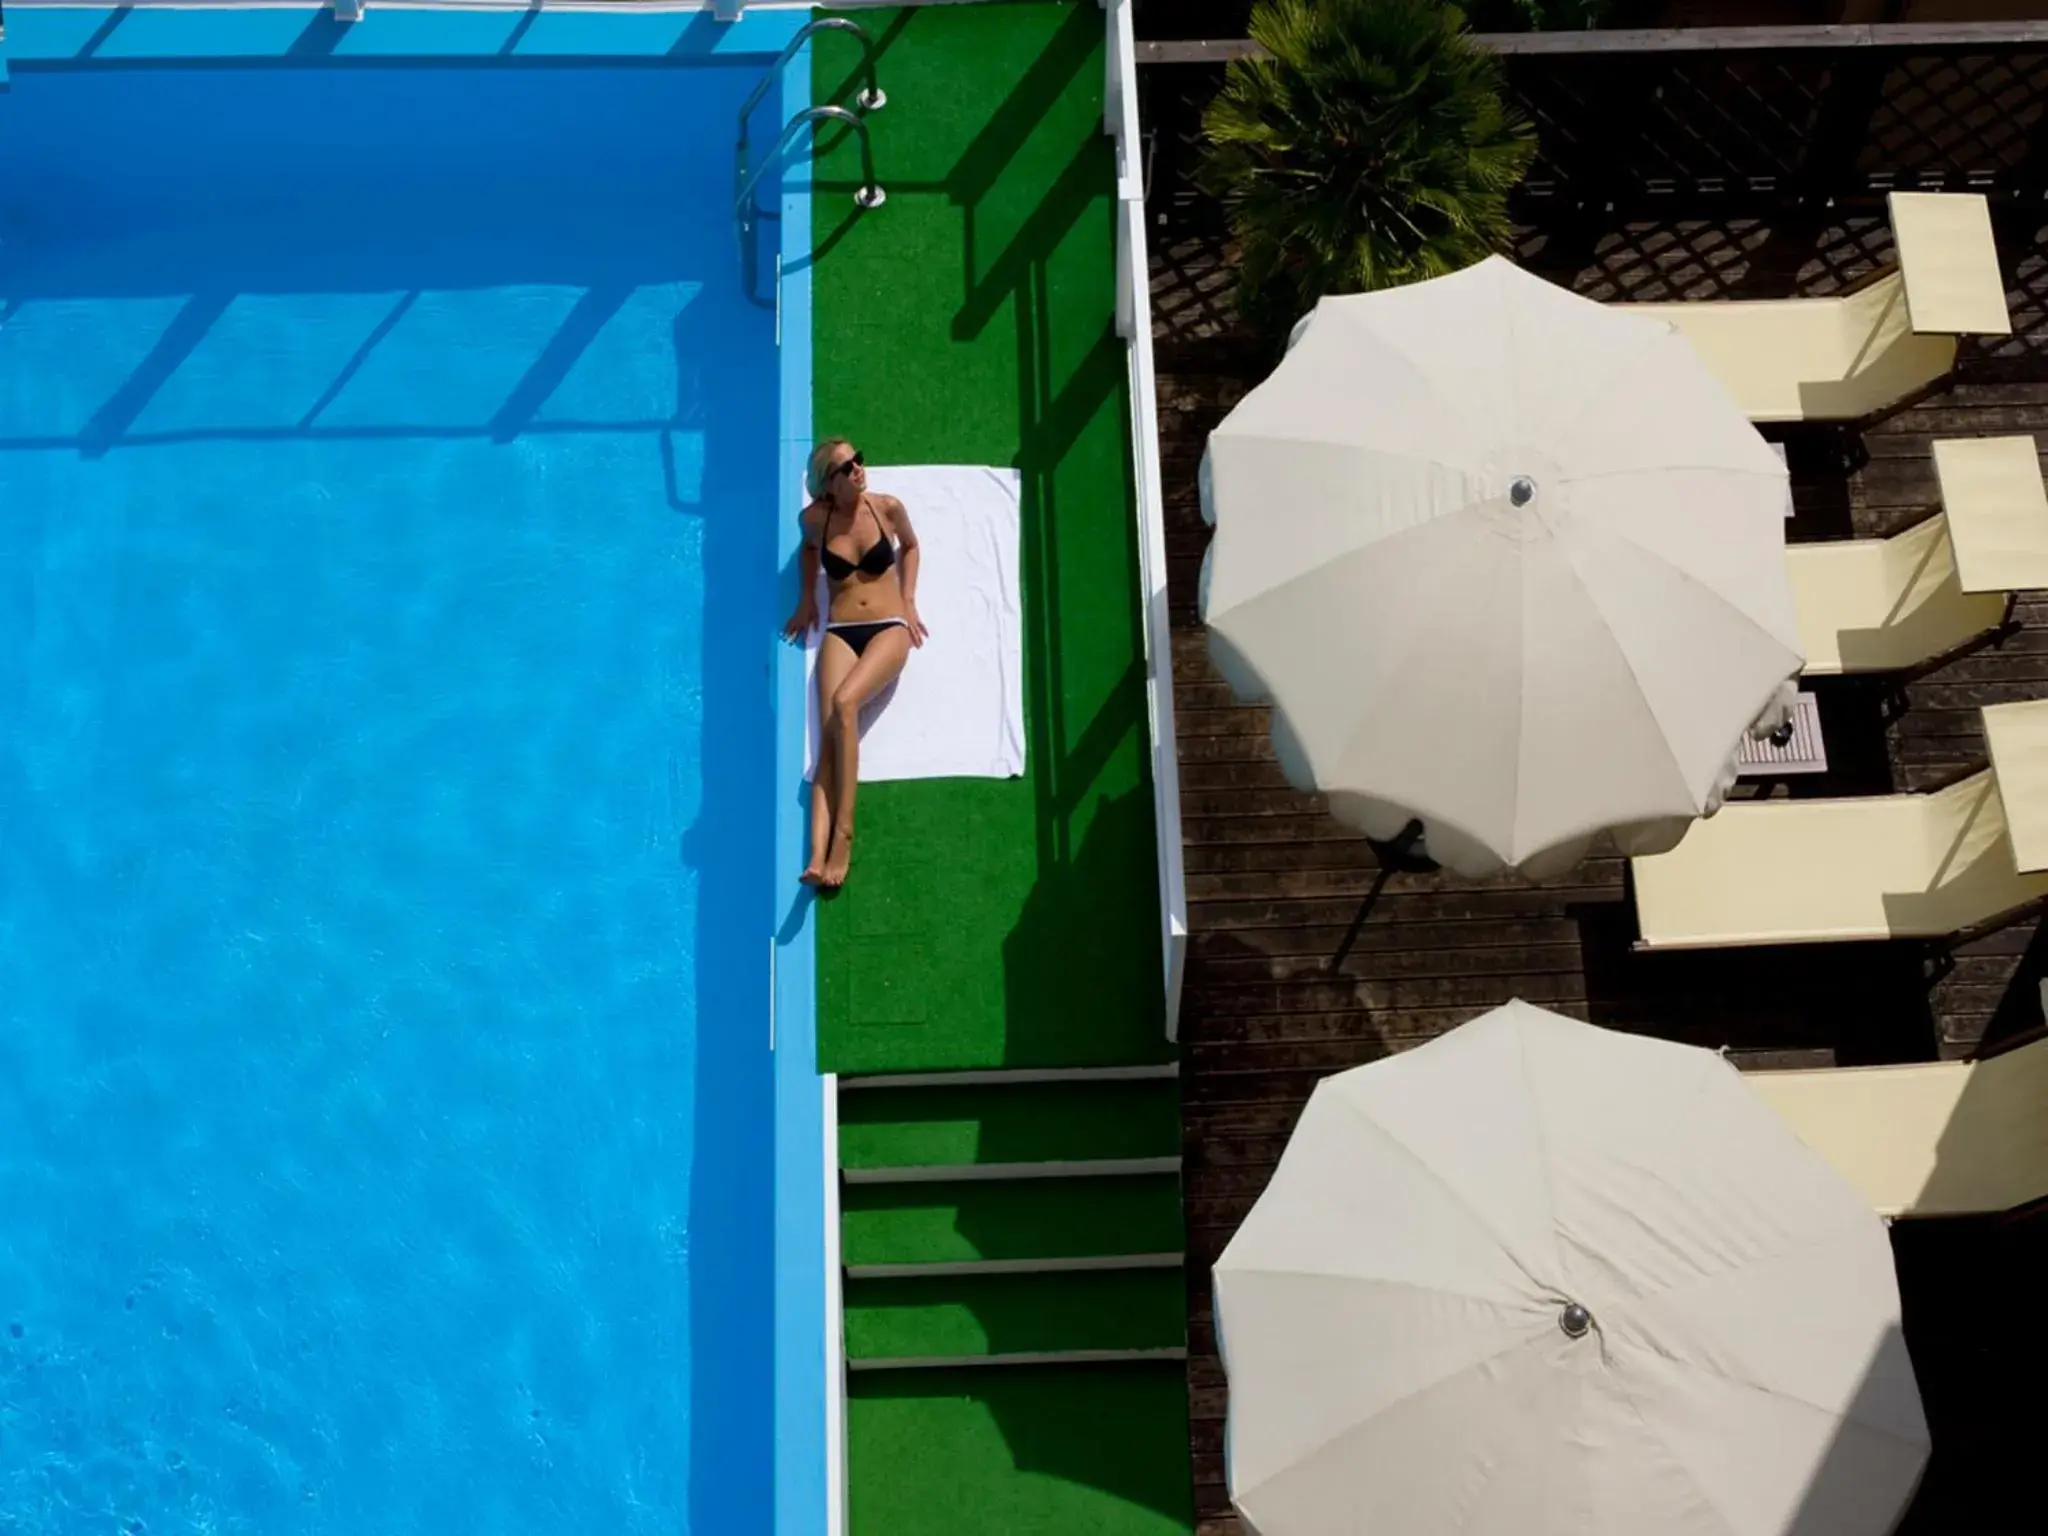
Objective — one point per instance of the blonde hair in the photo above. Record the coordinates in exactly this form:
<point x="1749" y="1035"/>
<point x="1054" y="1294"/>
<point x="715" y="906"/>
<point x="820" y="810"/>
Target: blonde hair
<point x="821" y="463"/>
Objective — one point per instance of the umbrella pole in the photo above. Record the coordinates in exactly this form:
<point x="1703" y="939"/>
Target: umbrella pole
<point x="1395" y="854"/>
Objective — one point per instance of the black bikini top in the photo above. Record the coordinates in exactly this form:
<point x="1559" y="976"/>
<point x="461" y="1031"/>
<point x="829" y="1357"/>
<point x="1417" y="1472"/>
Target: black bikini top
<point x="879" y="557"/>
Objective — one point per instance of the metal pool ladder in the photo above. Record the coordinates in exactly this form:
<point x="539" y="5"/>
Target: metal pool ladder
<point x="870" y="99"/>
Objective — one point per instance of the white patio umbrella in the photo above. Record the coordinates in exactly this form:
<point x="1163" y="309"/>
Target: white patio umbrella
<point x="1503" y="559"/>
<point x="1538" y="1278"/>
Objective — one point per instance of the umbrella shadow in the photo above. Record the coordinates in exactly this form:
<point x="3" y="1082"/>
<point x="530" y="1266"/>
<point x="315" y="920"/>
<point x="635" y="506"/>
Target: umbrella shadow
<point x="1969" y="1288"/>
<point x="1827" y="1004"/>
<point x="1401" y="854"/>
<point x="1970" y="1291"/>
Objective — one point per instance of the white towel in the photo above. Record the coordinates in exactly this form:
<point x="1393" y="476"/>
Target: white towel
<point x="957" y="711"/>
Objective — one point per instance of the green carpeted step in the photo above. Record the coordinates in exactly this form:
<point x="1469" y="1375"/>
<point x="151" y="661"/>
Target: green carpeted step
<point x="1009" y="1077"/>
<point x="998" y="1125"/>
<point x="1048" y="1451"/>
<point x="1052" y="1218"/>
<point x="973" y="1315"/>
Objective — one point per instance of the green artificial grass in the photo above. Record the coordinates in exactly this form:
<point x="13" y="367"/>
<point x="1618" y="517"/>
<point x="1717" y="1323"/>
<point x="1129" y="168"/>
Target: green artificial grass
<point x="970" y="321"/>
<point x="1015" y="1314"/>
<point x="1027" y="1123"/>
<point x="1027" y="1219"/>
<point x="1095" y="1450"/>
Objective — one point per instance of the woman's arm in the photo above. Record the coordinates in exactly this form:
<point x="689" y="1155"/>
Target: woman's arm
<point x="806" y="616"/>
<point x="907" y="558"/>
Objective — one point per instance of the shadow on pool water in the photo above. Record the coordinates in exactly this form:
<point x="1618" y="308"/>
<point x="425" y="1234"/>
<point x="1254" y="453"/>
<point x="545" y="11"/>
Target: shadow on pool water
<point x="386" y="582"/>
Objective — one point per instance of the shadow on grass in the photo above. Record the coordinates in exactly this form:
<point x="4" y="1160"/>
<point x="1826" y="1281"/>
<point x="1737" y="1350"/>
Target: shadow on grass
<point x="1077" y="975"/>
<point x="1074" y="992"/>
<point x="854" y="77"/>
<point x="1081" y="973"/>
<point x="1119" y="1429"/>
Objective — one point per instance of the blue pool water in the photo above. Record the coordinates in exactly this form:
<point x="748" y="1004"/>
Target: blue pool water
<point x="387" y="566"/>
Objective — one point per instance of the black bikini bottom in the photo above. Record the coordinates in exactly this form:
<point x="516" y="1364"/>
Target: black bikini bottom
<point x="857" y="636"/>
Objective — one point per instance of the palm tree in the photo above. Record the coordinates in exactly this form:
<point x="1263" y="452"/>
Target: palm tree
<point x="1369" y="148"/>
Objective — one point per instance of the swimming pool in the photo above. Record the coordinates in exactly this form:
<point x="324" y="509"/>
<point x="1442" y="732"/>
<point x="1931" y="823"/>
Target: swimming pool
<point x="389" y="462"/>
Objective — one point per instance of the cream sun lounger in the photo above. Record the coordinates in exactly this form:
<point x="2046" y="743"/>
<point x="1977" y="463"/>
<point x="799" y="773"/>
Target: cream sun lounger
<point x="1883" y="605"/>
<point x="1850" y="355"/>
<point x="1948" y="1138"/>
<point x="1883" y="867"/>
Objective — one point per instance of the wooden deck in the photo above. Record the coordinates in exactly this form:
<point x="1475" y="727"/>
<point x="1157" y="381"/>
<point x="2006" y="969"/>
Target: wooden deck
<point x="1274" y="882"/>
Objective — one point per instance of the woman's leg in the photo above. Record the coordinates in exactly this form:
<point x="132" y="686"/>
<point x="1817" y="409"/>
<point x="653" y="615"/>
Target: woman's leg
<point x="875" y="670"/>
<point x="835" y="660"/>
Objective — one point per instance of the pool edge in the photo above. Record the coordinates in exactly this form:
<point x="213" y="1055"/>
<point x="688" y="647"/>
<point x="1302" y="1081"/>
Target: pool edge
<point x="58" y="34"/>
<point x="809" y="1368"/>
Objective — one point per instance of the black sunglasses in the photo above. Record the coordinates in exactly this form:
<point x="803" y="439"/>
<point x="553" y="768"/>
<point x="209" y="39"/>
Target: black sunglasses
<point x="848" y="466"/>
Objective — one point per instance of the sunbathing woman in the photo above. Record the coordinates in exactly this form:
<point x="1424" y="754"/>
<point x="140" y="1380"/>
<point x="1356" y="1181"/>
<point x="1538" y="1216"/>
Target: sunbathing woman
<point x="869" y="552"/>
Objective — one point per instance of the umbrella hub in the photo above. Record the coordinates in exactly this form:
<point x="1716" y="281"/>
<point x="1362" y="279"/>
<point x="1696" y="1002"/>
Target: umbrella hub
<point x="1575" y="1320"/>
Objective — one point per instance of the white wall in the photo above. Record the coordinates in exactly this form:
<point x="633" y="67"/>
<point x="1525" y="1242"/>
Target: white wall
<point x="1134" y="324"/>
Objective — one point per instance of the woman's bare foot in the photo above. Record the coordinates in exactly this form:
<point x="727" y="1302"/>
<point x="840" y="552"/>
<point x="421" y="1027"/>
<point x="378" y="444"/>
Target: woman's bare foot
<point x="837" y="860"/>
<point x="821" y="834"/>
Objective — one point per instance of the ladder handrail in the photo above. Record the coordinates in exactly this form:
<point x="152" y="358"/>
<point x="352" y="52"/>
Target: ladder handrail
<point x="868" y="100"/>
<point x="869" y="195"/>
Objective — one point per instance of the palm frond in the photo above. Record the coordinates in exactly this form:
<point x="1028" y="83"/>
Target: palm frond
<point x="1370" y="147"/>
